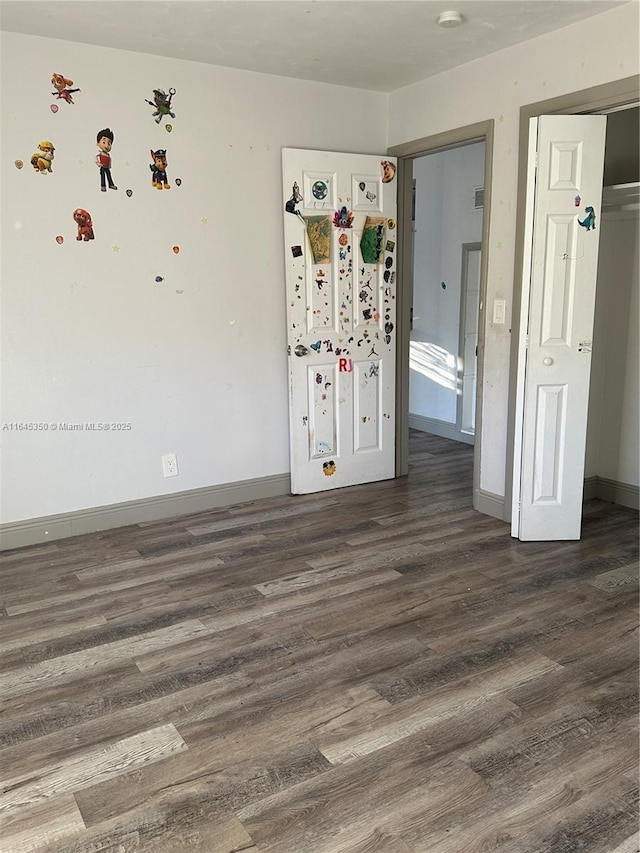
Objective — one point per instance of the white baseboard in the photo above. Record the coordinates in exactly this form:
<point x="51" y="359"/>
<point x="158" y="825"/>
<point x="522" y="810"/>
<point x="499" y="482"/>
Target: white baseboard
<point x="441" y="428"/>
<point x="34" y="531"/>
<point x="489" y="503"/>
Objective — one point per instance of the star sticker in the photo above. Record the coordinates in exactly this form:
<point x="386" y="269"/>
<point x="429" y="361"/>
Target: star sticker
<point x="544" y="84"/>
<point x="622" y="65"/>
<point x="115" y="248"/>
<point x="81" y="162"/>
<point x="500" y="245"/>
<point x="127" y="163"/>
<point x="203" y="220"/>
<point x="500" y="118"/>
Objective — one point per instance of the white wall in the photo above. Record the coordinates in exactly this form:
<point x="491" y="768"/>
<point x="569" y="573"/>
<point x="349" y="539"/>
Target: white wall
<point x="195" y="364"/>
<point x="598" y="50"/>
<point x="445" y="220"/>
<point x="613" y="443"/>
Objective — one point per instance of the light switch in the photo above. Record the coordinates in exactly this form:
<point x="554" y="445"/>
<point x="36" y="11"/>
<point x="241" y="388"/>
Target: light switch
<point x="499" y="310"/>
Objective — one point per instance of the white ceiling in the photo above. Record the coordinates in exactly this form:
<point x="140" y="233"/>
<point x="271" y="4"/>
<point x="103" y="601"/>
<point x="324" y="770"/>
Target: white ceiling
<point x="369" y="44"/>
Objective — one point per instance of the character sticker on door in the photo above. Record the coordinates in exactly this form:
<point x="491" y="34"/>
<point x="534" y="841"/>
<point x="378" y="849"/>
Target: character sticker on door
<point x="318" y="190"/>
<point x="388" y="171"/>
<point x="343" y="218"/>
<point x="589" y="221"/>
<point x="366" y="191"/>
<point x="291" y="205"/>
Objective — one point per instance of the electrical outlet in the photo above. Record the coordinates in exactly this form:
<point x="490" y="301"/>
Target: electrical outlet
<point x="170" y="465"/>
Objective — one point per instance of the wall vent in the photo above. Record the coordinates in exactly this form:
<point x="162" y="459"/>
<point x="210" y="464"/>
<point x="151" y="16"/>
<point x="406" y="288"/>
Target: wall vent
<point x="478" y="198"/>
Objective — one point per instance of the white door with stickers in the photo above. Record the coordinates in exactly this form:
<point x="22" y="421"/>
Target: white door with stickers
<point x="559" y="284"/>
<point x="340" y="259"/>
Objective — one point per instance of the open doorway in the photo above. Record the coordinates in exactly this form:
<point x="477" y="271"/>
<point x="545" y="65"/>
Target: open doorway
<point x="447" y="208"/>
<point x="409" y="155"/>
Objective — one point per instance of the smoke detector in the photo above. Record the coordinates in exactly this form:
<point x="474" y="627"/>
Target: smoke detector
<point x="450" y="19"/>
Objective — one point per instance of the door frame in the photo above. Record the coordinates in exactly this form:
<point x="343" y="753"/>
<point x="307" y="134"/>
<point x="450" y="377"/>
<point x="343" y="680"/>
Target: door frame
<point x="467" y="248"/>
<point x="406" y="153"/>
<point x="607" y="96"/>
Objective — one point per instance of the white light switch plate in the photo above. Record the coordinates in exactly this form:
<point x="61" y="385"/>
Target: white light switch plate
<point x="499" y="310"/>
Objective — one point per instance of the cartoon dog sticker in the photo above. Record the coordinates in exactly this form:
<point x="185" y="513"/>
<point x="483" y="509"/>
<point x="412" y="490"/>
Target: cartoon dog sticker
<point x="61" y="83"/>
<point x="162" y="104"/>
<point x="159" y="169"/>
<point x="43" y="158"/>
<point x="85" y="225"/>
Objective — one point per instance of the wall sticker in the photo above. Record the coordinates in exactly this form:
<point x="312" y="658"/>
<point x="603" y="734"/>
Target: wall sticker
<point x="82" y="219"/>
<point x="104" y="141"/>
<point x="162" y="105"/>
<point x="329" y="468"/>
<point x="159" y="169"/>
<point x="43" y="158"/>
<point x="62" y="91"/>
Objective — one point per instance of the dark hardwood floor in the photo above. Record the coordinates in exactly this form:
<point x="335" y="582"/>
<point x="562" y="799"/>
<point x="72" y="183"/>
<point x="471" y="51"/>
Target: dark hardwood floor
<point x="378" y="669"/>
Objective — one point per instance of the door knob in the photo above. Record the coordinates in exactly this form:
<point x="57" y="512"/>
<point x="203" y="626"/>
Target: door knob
<point x="301" y="350"/>
<point x="548" y="361"/>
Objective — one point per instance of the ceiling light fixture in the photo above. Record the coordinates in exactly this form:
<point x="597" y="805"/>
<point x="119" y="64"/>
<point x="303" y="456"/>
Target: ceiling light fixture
<point x="450" y="19"/>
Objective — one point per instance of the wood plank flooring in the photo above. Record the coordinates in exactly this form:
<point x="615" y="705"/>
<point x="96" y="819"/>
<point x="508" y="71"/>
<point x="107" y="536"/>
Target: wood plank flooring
<point x="378" y="669"/>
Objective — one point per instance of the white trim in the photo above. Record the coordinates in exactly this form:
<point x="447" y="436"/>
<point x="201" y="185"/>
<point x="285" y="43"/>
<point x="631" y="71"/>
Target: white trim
<point x="490" y="504"/>
<point x="444" y="429"/>
<point x="523" y="327"/>
<point x="33" y="531"/>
